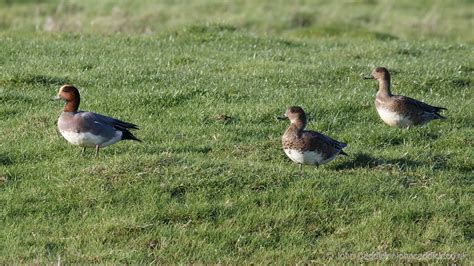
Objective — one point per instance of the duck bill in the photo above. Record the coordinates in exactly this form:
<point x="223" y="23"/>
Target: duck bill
<point x="56" y="98"/>
<point x="282" y="118"/>
<point x="369" y="77"/>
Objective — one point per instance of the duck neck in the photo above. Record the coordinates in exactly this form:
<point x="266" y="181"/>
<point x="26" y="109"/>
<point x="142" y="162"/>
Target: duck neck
<point x="72" y="105"/>
<point x="299" y="124"/>
<point x="384" y="88"/>
<point x="297" y="127"/>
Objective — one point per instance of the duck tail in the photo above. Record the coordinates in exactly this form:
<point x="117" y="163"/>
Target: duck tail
<point x="128" y="135"/>
<point x="437" y="115"/>
<point x="341" y="152"/>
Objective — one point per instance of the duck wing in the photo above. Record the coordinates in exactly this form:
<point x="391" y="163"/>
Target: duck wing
<point x="319" y="141"/>
<point x="102" y="119"/>
<point x="419" y="105"/>
<point x="102" y="122"/>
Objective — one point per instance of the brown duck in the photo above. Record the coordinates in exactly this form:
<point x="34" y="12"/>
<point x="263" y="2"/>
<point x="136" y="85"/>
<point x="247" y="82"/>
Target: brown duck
<point x="307" y="147"/>
<point x="397" y="110"/>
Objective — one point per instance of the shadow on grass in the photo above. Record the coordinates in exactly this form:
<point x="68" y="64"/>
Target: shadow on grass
<point x="403" y="136"/>
<point x="191" y="149"/>
<point x="5" y="159"/>
<point x="38" y="79"/>
<point x="364" y="160"/>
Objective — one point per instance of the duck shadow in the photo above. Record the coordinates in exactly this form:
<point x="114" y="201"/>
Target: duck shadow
<point x="404" y="136"/>
<point x="5" y="159"/>
<point x="364" y="160"/>
<point x="426" y="134"/>
<point x="39" y="79"/>
<point x="192" y="149"/>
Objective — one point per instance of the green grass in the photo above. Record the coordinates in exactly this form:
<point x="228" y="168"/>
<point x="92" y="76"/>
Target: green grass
<point x="451" y="20"/>
<point x="204" y="189"/>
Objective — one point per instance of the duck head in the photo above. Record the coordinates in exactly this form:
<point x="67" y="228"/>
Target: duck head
<point x="70" y="94"/>
<point x="296" y="115"/>
<point x="379" y="74"/>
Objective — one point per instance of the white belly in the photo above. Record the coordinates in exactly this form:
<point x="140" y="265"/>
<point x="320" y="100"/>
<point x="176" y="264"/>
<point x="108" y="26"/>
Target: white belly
<point x="393" y="119"/>
<point x="307" y="157"/>
<point x="85" y="139"/>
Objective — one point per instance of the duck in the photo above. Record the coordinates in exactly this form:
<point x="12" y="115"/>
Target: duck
<point x="87" y="129"/>
<point x="305" y="146"/>
<point x="397" y="110"/>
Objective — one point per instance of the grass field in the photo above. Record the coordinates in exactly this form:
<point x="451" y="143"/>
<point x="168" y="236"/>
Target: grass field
<point x="210" y="182"/>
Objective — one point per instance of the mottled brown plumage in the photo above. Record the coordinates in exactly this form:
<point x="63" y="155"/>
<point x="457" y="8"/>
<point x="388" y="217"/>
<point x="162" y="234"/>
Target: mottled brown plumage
<point x="398" y="110"/>
<point x="308" y="147"/>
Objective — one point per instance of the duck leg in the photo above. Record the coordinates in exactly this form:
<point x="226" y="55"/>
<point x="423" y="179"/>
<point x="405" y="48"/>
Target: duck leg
<point x="96" y="150"/>
<point x="301" y="169"/>
<point x="83" y="151"/>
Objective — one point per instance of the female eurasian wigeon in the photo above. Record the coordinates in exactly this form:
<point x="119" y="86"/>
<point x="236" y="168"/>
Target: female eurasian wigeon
<point x="398" y="110"/>
<point x="307" y="147"/>
<point x="88" y="129"/>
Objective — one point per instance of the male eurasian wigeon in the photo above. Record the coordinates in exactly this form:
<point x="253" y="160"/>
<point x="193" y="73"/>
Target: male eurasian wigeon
<point x="398" y="110"/>
<point x="307" y="147"/>
<point x="87" y="129"/>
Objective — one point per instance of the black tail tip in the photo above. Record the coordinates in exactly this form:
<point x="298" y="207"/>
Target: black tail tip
<point x="439" y="116"/>
<point x="134" y="138"/>
<point x="130" y="136"/>
<point x="343" y="153"/>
